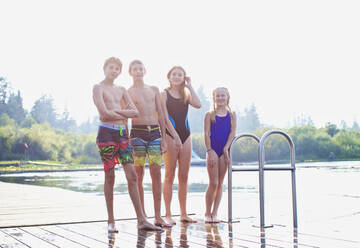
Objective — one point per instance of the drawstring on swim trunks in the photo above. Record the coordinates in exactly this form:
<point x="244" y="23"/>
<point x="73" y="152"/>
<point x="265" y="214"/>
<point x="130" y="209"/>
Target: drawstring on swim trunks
<point x="149" y="129"/>
<point x="120" y="130"/>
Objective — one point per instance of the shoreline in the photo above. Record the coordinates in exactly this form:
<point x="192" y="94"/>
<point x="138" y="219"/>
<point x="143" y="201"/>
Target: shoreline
<point x="298" y="165"/>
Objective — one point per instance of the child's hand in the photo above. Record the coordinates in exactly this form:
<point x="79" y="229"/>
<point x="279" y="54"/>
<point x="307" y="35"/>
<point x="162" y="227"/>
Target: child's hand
<point x="178" y="144"/>
<point x="226" y="156"/>
<point x="211" y="157"/>
<point x="187" y="82"/>
<point x="163" y="146"/>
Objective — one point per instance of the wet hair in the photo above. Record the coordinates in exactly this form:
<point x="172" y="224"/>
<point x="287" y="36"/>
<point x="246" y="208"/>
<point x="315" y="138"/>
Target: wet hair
<point x="113" y="60"/>
<point x="182" y="87"/>
<point x="136" y="61"/>
<point x="212" y="113"/>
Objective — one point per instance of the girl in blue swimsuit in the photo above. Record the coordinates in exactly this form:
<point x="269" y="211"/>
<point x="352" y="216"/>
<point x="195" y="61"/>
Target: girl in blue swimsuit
<point x="175" y="102"/>
<point x="220" y="129"/>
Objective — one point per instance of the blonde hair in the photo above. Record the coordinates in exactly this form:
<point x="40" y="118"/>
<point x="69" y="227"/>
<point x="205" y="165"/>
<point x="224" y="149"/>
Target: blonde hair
<point x="136" y="61"/>
<point x="213" y="112"/>
<point x="113" y="60"/>
<point x="182" y="87"/>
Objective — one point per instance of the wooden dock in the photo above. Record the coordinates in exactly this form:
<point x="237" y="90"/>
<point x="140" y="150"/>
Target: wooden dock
<point x="181" y="235"/>
<point x="34" y="216"/>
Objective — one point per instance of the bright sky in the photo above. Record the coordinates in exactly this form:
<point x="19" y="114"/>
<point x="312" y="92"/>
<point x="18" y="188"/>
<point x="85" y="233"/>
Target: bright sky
<point x="289" y="58"/>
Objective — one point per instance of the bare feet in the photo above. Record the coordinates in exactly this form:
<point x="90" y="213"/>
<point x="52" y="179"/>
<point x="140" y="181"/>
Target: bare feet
<point x="208" y="219"/>
<point x="112" y="228"/>
<point x="215" y="219"/>
<point x="186" y="218"/>
<point x="160" y="222"/>
<point x="145" y="225"/>
<point x="170" y="220"/>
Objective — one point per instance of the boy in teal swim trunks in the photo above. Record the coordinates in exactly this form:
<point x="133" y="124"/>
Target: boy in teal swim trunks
<point x="146" y="135"/>
<point x="115" y="106"/>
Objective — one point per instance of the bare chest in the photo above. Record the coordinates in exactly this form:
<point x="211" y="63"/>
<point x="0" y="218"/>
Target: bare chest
<point x="112" y="96"/>
<point x="143" y="98"/>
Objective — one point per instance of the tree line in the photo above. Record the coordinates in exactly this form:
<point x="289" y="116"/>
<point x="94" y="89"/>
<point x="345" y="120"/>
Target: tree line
<point x="47" y="135"/>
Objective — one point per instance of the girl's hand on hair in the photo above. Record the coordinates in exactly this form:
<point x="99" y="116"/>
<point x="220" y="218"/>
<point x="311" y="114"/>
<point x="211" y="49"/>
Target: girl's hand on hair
<point x="187" y="82"/>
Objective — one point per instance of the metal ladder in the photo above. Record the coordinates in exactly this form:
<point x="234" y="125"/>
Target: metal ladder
<point x="261" y="169"/>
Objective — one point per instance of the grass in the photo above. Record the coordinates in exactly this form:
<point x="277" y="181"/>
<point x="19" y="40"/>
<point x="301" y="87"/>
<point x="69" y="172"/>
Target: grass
<point x="14" y="166"/>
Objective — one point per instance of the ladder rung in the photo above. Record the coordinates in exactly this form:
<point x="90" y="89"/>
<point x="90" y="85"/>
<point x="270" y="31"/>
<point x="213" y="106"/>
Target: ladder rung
<point x="279" y="168"/>
<point x="253" y="168"/>
<point x="245" y="168"/>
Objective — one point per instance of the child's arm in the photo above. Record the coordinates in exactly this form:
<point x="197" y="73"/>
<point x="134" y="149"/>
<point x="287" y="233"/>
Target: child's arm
<point x="193" y="97"/>
<point x="130" y="110"/>
<point x="168" y="124"/>
<point x="161" y="119"/>
<point x="231" y="137"/>
<point x="210" y="153"/>
<point x="104" y="112"/>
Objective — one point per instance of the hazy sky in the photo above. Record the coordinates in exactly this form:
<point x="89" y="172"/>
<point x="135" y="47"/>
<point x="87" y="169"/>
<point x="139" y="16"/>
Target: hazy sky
<point x="289" y="58"/>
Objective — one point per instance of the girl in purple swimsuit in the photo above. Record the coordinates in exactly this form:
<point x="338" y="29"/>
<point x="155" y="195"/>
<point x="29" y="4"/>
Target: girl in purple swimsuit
<point x="220" y="128"/>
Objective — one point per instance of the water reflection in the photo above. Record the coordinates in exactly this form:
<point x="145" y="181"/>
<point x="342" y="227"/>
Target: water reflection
<point x="213" y="238"/>
<point x="169" y="242"/>
<point x="111" y="237"/>
<point x="143" y="235"/>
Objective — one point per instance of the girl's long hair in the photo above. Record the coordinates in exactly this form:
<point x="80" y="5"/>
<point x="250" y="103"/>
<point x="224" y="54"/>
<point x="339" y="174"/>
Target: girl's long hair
<point x="213" y="112"/>
<point x="182" y="87"/>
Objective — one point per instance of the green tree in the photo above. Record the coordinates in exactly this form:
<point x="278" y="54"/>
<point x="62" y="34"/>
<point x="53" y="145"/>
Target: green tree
<point x="196" y="116"/>
<point x="331" y="129"/>
<point x="355" y="125"/>
<point x="44" y="111"/>
<point x="66" y="123"/>
<point x="14" y="107"/>
<point x="249" y="120"/>
<point x="28" y="122"/>
<point x="4" y="92"/>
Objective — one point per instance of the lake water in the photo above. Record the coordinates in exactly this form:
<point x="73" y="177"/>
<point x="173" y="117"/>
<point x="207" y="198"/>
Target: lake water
<point x="328" y="194"/>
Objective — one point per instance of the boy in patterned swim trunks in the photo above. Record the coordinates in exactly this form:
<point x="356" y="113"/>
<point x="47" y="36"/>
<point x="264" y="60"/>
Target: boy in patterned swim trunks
<point x="146" y="138"/>
<point x="113" y="141"/>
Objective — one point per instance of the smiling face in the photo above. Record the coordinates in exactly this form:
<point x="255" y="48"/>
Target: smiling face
<point x="176" y="76"/>
<point x="221" y="97"/>
<point x="137" y="70"/>
<point x="112" y="70"/>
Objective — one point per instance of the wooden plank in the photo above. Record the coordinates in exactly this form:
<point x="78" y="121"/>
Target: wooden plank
<point x="51" y="238"/>
<point x="75" y="237"/>
<point x="7" y="241"/>
<point x="129" y="230"/>
<point x="181" y="240"/>
<point x="101" y="235"/>
<point x="27" y="238"/>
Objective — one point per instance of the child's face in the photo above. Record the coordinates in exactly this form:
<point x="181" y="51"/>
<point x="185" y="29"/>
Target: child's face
<point x="177" y="77"/>
<point x="137" y="71"/>
<point x="221" y="97"/>
<point x="112" y="70"/>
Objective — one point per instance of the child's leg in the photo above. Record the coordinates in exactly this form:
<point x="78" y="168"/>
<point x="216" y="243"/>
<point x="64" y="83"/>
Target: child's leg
<point x="135" y="198"/>
<point x="222" y="171"/>
<point x="109" y="194"/>
<point x="140" y="176"/>
<point x="139" y="155"/>
<point x="170" y="158"/>
<point x="213" y="172"/>
<point x="183" y="173"/>
<point x="155" y="172"/>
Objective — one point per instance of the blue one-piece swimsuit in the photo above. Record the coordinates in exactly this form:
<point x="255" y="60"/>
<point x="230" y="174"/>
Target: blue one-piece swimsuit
<point x="219" y="133"/>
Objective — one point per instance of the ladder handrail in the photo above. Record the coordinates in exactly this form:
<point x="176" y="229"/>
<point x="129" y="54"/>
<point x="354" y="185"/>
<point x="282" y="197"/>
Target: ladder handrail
<point x="261" y="174"/>
<point x="230" y="169"/>
<point x="261" y="169"/>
